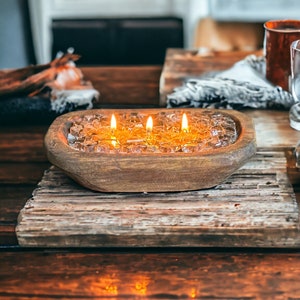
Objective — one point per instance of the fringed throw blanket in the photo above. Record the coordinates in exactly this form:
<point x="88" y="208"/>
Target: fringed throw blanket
<point x="242" y="86"/>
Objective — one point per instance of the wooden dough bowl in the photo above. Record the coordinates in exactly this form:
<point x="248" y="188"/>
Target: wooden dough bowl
<point x="149" y="172"/>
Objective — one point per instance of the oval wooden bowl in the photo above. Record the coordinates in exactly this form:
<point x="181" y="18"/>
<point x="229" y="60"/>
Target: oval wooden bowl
<point x="151" y="172"/>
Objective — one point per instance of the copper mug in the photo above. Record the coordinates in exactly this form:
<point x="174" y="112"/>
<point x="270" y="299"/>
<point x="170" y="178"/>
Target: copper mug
<point x="279" y="34"/>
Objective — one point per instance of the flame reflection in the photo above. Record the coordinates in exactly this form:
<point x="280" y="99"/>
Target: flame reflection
<point x="184" y="123"/>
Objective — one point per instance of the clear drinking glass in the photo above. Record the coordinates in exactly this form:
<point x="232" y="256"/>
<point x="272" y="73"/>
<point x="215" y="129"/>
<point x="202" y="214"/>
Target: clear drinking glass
<point x="295" y="84"/>
<point x="295" y="70"/>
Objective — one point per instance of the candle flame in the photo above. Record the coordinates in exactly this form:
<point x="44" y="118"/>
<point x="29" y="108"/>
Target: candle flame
<point x="149" y="124"/>
<point x="113" y="127"/>
<point x="184" y="123"/>
<point x="113" y="122"/>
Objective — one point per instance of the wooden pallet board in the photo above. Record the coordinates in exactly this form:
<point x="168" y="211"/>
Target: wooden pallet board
<point x="254" y="207"/>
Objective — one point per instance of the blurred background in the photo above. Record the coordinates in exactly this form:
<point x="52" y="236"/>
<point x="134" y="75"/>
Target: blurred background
<point x="131" y="32"/>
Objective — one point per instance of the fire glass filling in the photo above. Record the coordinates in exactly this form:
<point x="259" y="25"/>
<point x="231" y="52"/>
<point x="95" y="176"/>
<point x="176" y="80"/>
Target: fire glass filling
<point x="206" y="130"/>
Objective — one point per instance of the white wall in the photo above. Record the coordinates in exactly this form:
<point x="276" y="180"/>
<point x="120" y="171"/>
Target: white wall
<point x="254" y="10"/>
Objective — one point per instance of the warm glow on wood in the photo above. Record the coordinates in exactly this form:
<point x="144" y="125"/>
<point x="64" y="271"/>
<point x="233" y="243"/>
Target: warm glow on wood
<point x="193" y="293"/>
<point x="184" y="123"/>
<point x="113" y="122"/>
<point x="141" y="285"/>
<point x="149" y="124"/>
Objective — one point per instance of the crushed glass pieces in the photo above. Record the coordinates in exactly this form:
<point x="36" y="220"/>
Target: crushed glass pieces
<point x="207" y="130"/>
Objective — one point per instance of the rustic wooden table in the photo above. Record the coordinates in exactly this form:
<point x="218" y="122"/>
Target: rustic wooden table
<point x="136" y="273"/>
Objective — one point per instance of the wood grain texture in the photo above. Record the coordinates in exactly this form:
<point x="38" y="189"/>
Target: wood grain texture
<point x="273" y="129"/>
<point x="24" y="173"/>
<point x="181" y="64"/>
<point x="12" y="200"/>
<point x="22" y="143"/>
<point x="125" y="85"/>
<point x="161" y="275"/>
<point x="255" y="207"/>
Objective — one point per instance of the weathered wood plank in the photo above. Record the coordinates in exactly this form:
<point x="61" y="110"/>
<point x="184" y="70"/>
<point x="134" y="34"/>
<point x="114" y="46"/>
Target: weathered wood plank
<point x="125" y="85"/>
<point x="273" y="129"/>
<point x="255" y="207"/>
<point x="160" y="275"/>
